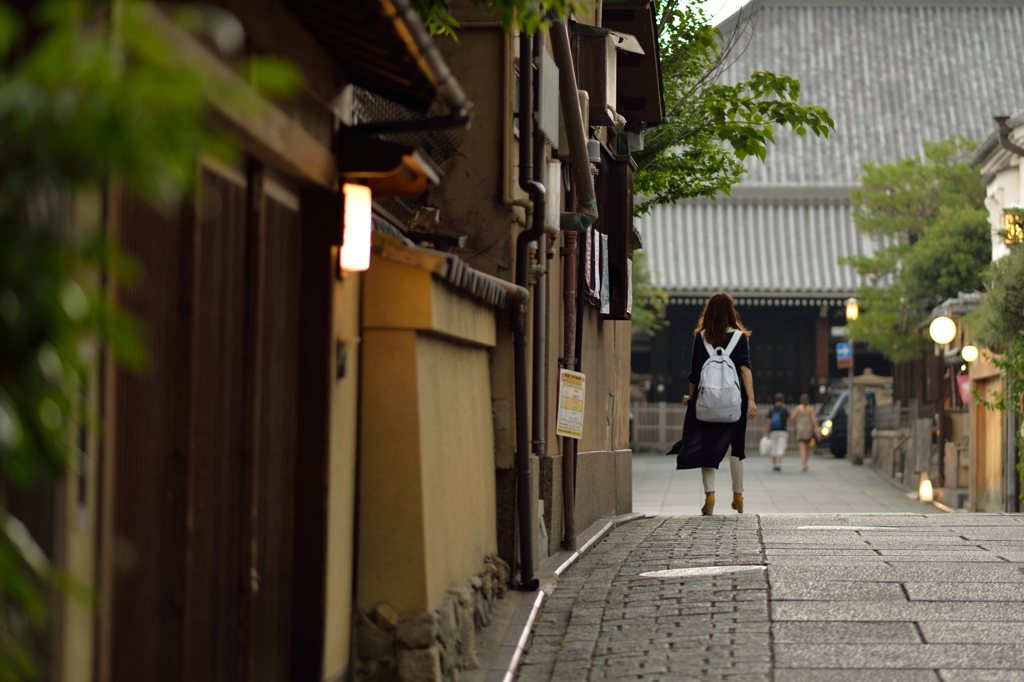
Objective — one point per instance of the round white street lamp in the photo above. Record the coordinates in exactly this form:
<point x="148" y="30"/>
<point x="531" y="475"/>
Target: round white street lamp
<point x="942" y="330"/>
<point x="969" y="353"/>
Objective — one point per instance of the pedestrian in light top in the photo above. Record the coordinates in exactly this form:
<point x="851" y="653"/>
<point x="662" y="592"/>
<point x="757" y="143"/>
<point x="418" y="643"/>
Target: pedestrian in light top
<point x="704" y="443"/>
<point x="775" y="429"/>
<point x="806" y="426"/>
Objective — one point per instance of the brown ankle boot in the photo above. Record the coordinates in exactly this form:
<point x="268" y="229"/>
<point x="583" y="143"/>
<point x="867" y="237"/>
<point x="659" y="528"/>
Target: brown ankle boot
<point x="737" y="502"/>
<point x="709" y="504"/>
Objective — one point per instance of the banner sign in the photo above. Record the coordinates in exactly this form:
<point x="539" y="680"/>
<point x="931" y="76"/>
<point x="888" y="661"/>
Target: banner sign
<point x="844" y="355"/>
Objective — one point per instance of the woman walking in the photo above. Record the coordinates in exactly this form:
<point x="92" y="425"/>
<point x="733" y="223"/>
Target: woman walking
<point x="806" y="427"/>
<point x="705" y="443"/>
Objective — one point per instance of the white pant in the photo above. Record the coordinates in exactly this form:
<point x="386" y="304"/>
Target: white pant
<point x="780" y="439"/>
<point x="735" y="468"/>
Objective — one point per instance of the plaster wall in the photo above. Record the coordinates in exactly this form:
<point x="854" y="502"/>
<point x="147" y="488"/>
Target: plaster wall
<point x="342" y="481"/>
<point x="427" y="489"/>
<point x="1003" y="191"/>
<point x="457" y="464"/>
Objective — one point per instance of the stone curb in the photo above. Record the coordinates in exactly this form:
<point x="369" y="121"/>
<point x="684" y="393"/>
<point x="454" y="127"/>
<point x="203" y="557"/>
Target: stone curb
<point x="506" y="662"/>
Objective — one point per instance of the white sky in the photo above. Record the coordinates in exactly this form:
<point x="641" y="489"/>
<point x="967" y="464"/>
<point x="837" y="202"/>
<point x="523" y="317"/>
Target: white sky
<point x="720" y="10"/>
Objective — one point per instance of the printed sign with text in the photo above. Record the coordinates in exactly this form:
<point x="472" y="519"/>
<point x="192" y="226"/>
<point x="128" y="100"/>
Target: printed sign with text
<point x="572" y="388"/>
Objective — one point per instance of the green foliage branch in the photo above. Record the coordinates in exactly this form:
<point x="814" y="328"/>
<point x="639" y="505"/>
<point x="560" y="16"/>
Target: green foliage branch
<point x="90" y="95"/>
<point x="526" y="15"/>
<point x="931" y="212"/>
<point x="710" y="128"/>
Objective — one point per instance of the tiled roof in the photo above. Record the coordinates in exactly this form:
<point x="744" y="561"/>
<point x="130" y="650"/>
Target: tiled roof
<point x="891" y="74"/>
<point x="770" y="247"/>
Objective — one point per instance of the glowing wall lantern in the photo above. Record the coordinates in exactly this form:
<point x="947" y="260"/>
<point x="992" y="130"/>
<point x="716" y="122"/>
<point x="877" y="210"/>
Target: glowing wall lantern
<point x="354" y="255"/>
<point x="852" y="309"/>
<point x="942" y="330"/>
<point x="969" y="353"/>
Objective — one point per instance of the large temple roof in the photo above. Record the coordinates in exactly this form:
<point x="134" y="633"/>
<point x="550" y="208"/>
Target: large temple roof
<point x="892" y="75"/>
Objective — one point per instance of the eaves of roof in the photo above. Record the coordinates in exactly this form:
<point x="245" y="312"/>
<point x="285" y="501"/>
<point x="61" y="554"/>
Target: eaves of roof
<point x="991" y="143"/>
<point x="755" y="247"/>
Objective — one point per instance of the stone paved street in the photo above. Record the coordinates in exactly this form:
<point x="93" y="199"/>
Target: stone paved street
<point x="816" y="598"/>
<point x="829" y="485"/>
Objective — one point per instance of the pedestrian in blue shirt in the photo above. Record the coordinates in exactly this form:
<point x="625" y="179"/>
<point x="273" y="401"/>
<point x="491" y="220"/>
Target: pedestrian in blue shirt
<point x="775" y="429"/>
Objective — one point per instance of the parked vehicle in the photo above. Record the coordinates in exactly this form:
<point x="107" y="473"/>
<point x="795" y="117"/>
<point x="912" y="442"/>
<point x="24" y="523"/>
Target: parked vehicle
<point x="832" y="417"/>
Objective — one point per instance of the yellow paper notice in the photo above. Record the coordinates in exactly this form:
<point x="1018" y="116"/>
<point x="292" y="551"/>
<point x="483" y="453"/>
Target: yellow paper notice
<point x="572" y="388"/>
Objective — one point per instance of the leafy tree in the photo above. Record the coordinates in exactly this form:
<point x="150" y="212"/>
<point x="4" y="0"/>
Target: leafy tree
<point x="999" y="321"/>
<point x="90" y="95"/>
<point x="931" y="212"/>
<point x="687" y="156"/>
<point x="526" y="15"/>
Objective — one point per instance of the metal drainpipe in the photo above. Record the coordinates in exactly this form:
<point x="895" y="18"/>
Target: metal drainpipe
<point x="581" y="308"/>
<point x="540" y="291"/>
<point x="536" y="191"/>
<point x="571" y="265"/>
<point x="569" y="98"/>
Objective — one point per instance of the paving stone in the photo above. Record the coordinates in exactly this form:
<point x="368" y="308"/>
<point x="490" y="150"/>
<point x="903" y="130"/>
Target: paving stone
<point x="972" y="592"/>
<point x="902" y="572"/>
<point x="972" y="633"/>
<point x="912" y="656"/>
<point x="864" y="675"/>
<point x="862" y="633"/>
<point x="894" y="611"/>
<point x="837" y="591"/>
<point x="981" y="675"/>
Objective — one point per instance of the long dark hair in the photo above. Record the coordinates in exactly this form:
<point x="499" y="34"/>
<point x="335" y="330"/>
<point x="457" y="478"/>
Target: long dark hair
<point x="719" y="314"/>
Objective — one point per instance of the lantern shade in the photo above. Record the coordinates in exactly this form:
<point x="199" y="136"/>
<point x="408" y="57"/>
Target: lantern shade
<point x="852" y="309"/>
<point x="925" y="493"/>
<point x="942" y="330"/>
<point x="969" y="353"/>
<point x="354" y="255"/>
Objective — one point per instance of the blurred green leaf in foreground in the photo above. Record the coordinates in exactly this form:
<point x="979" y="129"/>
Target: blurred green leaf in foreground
<point x="90" y="96"/>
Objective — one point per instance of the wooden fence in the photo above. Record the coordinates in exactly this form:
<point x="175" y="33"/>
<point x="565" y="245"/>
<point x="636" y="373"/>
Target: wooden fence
<point x="654" y="427"/>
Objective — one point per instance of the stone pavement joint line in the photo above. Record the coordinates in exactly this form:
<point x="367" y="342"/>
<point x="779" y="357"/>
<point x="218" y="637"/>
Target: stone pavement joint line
<point x="949" y="608"/>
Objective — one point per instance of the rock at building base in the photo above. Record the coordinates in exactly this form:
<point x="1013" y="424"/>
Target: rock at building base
<point x="420" y="665"/>
<point x="372" y="643"/>
<point x="385" y="616"/>
<point x="417" y="630"/>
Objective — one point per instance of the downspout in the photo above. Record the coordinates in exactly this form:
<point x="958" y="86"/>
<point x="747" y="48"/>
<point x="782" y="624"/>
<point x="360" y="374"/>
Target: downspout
<point x="536" y="191"/>
<point x="569" y="97"/>
<point x="572" y="223"/>
<point x="1004" y="136"/>
<point x="540" y="290"/>
<point x="569" y="268"/>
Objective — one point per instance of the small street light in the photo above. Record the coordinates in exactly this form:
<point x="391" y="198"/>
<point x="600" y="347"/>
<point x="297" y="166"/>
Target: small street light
<point x="969" y="353"/>
<point x="852" y="309"/>
<point x="942" y="330"/>
<point x="852" y="313"/>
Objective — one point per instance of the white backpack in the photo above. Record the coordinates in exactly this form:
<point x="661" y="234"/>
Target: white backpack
<point x="719" y="397"/>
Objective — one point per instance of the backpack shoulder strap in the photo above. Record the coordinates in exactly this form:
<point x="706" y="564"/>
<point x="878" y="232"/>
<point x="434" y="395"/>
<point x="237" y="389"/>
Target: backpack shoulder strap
<point x="733" y="341"/>
<point x="711" y="351"/>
